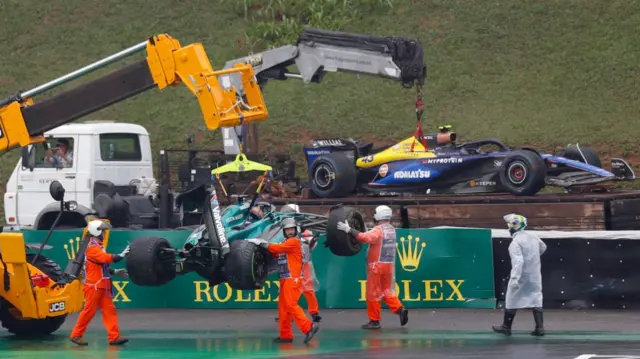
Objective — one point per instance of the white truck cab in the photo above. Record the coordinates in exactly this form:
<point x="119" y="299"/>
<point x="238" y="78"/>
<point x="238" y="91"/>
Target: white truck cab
<point x="77" y="155"/>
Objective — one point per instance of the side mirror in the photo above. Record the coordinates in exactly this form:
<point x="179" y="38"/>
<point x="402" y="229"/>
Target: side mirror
<point x="26" y="160"/>
<point x="57" y="191"/>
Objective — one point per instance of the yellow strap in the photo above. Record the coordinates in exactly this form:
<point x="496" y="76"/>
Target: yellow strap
<point x="241" y="164"/>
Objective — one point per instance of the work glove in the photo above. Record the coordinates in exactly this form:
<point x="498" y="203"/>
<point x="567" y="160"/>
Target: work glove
<point x="344" y="226"/>
<point x="121" y="272"/>
<point x="125" y="252"/>
<point x="258" y="242"/>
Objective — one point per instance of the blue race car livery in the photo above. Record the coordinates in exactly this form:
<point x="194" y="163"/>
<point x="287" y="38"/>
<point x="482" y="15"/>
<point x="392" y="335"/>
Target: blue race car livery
<point x="340" y="167"/>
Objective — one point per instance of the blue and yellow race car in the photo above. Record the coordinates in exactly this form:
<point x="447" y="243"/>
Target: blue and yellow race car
<point x="436" y="164"/>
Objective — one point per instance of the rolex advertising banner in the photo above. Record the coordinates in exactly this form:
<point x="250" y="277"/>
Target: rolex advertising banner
<point x="435" y="268"/>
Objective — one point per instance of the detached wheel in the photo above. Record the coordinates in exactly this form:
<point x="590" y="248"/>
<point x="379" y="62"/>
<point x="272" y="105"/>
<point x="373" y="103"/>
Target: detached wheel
<point x="340" y="243"/>
<point x="13" y="321"/>
<point x="246" y="265"/>
<point x="332" y="175"/>
<point x="582" y="154"/>
<point x="151" y="261"/>
<point x="523" y="173"/>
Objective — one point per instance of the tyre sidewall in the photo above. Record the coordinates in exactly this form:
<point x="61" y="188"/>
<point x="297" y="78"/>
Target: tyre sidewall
<point x="523" y="173"/>
<point x="343" y="170"/>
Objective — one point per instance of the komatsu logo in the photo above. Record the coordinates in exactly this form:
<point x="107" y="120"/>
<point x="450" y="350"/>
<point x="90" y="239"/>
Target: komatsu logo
<point x="412" y="174"/>
<point x="445" y="160"/>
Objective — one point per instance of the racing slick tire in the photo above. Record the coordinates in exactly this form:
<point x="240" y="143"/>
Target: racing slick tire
<point x="340" y="243"/>
<point x="147" y="264"/>
<point x="246" y="265"/>
<point x="523" y="173"/>
<point x="582" y="154"/>
<point x="332" y="175"/>
<point x="27" y="326"/>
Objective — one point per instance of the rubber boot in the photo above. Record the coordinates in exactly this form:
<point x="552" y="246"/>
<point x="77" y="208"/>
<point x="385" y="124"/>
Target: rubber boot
<point x="79" y="341"/>
<point x="314" y="329"/>
<point x="373" y="324"/>
<point x="505" y="328"/>
<point x="119" y="341"/>
<point x="403" y="313"/>
<point x="537" y="316"/>
<point x="316" y="318"/>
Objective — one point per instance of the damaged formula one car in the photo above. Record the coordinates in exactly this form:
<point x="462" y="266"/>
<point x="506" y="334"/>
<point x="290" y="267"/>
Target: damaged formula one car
<point x="435" y="164"/>
<point x="218" y="251"/>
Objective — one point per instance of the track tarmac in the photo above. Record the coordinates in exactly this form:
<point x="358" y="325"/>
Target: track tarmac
<point x="439" y="333"/>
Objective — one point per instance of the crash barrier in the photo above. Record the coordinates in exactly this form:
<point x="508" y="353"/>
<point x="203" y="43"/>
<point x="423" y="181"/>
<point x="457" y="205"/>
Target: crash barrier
<point x="585" y="269"/>
<point x="435" y="268"/>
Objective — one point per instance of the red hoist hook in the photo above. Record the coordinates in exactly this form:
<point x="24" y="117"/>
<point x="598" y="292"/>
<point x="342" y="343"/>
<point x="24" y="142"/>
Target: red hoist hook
<point x="419" y="135"/>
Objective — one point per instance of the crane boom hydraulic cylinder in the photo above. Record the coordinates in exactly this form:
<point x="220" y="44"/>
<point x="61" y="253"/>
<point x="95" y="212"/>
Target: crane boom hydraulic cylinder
<point x="22" y="122"/>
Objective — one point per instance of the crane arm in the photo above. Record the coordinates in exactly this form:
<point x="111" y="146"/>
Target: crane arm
<point x="23" y="122"/>
<point x="320" y="51"/>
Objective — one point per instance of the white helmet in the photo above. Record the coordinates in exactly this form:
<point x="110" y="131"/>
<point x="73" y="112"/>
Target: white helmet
<point x="291" y="207"/>
<point x="515" y="222"/>
<point x="382" y="213"/>
<point x="96" y="227"/>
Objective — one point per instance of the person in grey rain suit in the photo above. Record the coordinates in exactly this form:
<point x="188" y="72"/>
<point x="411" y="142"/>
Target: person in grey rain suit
<point x="525" y="282"/>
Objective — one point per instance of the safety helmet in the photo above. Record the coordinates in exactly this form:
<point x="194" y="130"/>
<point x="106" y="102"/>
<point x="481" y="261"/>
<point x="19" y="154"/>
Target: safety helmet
<point x="256" y="213"/>
<point x="515" y="222"/>
<point x="96" y="227"/>
<point x="289" y="223"/>
<point x="291" y="207"/>
<point x="382" y="213"/>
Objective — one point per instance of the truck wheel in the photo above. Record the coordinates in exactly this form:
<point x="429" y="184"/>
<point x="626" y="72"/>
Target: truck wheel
<point x="523" y="173"/>
<point x="10" y="316"/>
<point x="246" y="265"/>
<point x="332" y="175"/>
<point x="149" y="263"/>
<point x="340" y="243"/>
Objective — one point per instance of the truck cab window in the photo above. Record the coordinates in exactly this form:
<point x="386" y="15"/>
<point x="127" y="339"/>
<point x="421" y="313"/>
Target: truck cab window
<point x="120" y="147"/>
<point x="59" y="154"/>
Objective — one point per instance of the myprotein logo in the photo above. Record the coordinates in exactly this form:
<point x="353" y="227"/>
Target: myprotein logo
<point x="444" y="160"/>
<point x="417" y="174"/>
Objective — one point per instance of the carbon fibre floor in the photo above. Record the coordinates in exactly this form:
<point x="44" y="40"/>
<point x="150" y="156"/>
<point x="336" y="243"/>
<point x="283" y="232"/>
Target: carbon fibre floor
<point x="430" y="334"/>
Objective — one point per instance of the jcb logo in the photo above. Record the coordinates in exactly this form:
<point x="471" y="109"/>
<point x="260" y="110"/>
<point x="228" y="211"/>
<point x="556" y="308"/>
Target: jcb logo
<point x="56" y="307"/>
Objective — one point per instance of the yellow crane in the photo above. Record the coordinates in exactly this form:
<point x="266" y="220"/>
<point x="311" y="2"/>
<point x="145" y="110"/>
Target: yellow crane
<point x="35" y="294"/>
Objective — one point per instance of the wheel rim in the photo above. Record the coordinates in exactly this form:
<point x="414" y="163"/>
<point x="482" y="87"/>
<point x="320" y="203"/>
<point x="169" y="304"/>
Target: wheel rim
<point x="258" y="265"/>
<point x="517" y="173"/>
<point x="323" y="176"/>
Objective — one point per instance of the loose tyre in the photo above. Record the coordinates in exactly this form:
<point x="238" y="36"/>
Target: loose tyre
<point x="33" y="327"/>
<point x="523" y="173"/>
<point x="151" y="261"/>
<point x="582" y="154"/>
<point x="332" y="175"/>
<point x="246" y="265"/>
<point x="340" y="243"/>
